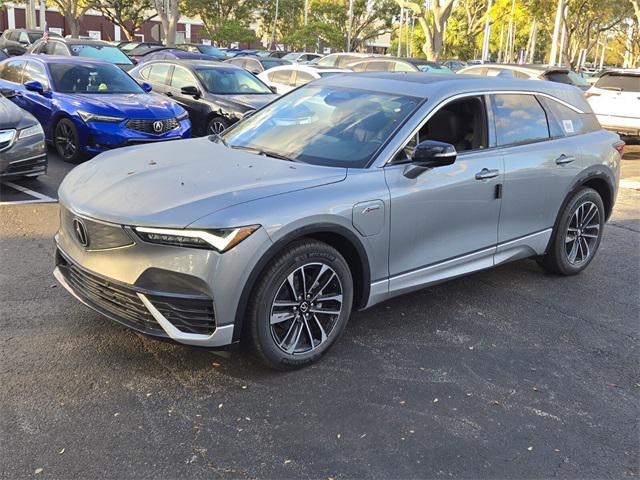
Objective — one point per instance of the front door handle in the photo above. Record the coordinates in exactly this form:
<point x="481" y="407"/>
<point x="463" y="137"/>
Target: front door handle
<point x="485" y="173"/>
<point x="564" y="159"/>
<point x="169" y="94"/>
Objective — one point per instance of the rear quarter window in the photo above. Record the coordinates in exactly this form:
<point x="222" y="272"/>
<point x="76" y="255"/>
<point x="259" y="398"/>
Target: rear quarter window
<point x="566" y="122"/>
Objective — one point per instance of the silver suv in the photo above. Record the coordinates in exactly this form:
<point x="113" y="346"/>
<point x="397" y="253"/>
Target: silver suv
<point x="339" y="195"/>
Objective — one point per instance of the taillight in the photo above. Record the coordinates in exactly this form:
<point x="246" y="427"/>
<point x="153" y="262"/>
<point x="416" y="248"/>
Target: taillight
<point x="619" y="146"/>
<point x="591" y="94"/>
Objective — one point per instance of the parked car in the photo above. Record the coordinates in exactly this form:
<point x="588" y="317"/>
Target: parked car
<point x="137" y="54"/>
<point x="3" y="55"/>
<point x="215" y="94"/>
<point x="454" y="64"/>
<point x="393" y="64"/>
<point x="287" y="77"/>
<point x="175" y="53"/>
<point x="16" y="41"/>
<point x="91" y="49"/>
<point x="90" y="106"/>
<point x="301" y="57"/>
<point x="257" y="65"/>
<point x="531" y="72"/>
<point x="209" y="50"/>
<point x="615" y="99"/>
<point x="340" y="60"/>
<point x="277" y="53"/>
<point x="23" y="151"/>
<point x="127" y="46"/>
<point x="340" y="195"/>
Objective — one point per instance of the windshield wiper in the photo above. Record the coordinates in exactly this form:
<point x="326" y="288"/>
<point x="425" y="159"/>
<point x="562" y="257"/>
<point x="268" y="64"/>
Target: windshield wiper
<point x="265" y="153"/>
<point x="217" y="138"/>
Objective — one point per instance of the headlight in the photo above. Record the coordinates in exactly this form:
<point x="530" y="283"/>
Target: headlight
<point x="184" y="115"/>
<point x="31" y="131"/>
<point x="220" y="240"/>
<point x="92" y="117"/>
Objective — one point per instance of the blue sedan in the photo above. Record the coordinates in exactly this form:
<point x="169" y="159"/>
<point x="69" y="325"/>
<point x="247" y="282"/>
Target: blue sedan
<point x="86" y="107"/>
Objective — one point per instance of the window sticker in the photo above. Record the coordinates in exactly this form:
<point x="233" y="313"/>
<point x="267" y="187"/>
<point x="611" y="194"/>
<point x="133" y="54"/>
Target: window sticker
<point x="568" y="126"/>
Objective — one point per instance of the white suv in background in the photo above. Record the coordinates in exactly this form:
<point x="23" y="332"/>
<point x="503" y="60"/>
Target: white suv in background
<point x="615" y="99"/>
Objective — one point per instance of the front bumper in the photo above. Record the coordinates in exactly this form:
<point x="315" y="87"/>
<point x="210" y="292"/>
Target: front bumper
<point x="184" y="294"/>
<point x="26" y="158"/>
<point x="98" y="137"/>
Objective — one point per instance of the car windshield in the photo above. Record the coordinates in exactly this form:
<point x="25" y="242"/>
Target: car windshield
<point x="291" y="56"/>
<point x="619" y="82"/>
<point x="441" y="69"/>
<point x="328" y="126"/>
<point x="267" y="64"/>
<point x="129" y="46"/>
<point x="328" y="74"/>
<point x="230" y="81"/>
<point x="100" y="52"/>
<point x="91" y="78"/>
<point x="34" y="36"/>
<point x="209" y="50"/>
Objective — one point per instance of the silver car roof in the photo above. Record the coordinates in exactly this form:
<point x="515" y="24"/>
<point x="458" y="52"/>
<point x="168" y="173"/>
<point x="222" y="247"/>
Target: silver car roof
<point x="439" y="87"/>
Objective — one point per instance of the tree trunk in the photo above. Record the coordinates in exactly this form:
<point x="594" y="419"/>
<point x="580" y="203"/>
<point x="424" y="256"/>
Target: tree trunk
<point x="74" y="25"/>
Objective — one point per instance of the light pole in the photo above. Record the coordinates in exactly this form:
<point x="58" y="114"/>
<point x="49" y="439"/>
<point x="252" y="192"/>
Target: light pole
<point x="557" y="27"/>
<point x="487" y="33"/>
<point x="350" y="25"/>
<point x="400" y="31"/>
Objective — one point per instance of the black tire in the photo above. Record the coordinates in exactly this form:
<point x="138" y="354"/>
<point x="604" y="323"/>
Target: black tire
<point x="67" y="142"/>
<point x="322" y="267"/>
<point x="572" y="238"/>
<point x="217" y="125"/>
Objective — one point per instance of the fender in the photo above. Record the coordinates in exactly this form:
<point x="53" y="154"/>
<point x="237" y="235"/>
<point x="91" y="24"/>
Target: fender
<point x="280" y="244"/>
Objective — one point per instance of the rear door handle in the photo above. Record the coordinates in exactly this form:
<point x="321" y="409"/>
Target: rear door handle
<point x="169" y="94"/>
<point x="485" y="173"/>
<point x="563" y="159"/>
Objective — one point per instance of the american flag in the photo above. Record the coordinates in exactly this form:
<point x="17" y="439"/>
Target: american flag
<point x="45" y="35"/>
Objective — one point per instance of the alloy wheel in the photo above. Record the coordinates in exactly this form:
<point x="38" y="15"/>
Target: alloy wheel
<point x="582" y="233"/>
<point x="65" y="140"/>
<point x="216" y="127"/>
<point x="306" y="308"/>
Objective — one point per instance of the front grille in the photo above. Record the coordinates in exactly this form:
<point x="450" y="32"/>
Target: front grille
<point x="27" y="166"/>
<point x="6" y="138"/>
<point x="110" y="298"/>
<point x="149" y="126"/>
<point x="188" y="313"/>
<point x="100" y="236"/>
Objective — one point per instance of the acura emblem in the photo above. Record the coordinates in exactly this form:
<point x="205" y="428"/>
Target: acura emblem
<point x="157" y="126"/>
<point x="81" y="232"/>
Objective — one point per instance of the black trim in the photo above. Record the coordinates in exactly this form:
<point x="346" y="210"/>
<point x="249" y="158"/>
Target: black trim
<point x="277" y="248"/>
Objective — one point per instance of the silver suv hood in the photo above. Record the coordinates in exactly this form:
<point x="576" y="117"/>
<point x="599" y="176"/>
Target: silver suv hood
<point x="172" y="184"/>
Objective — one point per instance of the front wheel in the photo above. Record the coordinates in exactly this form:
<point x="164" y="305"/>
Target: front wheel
<point x="217" y="125"/>
<point x="577" y="235"/>
<point x="67" y="142"/>
<point x="301" y="305"/>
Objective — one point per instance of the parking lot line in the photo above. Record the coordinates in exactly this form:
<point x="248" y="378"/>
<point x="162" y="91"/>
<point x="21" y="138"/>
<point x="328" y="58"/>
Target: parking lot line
<point x="630" y="184"/>
<point x="39" y="197"/>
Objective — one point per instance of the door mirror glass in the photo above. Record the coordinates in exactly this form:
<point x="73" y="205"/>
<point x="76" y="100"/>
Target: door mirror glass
<point x="34" y="86"/>
<point x="146" y="87"/>
<point x="431" y="153"/>
<point x="190" y="90"/>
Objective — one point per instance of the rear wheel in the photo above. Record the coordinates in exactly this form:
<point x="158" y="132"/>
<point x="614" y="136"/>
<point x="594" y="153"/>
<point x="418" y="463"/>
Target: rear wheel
<point x="301" y="305"/>
<point x="577" y="235"/>
<point x="66" y="141"/>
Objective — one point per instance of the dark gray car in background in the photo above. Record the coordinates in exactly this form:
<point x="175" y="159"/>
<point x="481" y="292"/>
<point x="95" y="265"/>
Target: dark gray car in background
<point x="23" y="151"/>
<point x="341" y="194"/>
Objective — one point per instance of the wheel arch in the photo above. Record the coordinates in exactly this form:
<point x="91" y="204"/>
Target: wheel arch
<point x="337" y="236"/>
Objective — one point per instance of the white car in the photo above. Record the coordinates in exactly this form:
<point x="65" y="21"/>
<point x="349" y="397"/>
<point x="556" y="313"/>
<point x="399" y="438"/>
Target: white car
<point x="287" y="77"/>
<point x="615" y="99"/>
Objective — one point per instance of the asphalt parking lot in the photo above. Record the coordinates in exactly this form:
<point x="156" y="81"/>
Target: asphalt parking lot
<point x="508" y="373"/>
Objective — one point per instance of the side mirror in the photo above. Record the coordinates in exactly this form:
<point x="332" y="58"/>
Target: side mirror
<point x="430" y="154"/>
<point x="190" y="90"/>
<point x="34" y="86"/>
<point x="273" y="89"/>
<point x="146" y="87"/>
<point x="255" y="72"/>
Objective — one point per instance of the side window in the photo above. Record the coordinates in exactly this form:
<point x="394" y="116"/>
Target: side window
<point x="567" y="122"/>
<point x="519" y="119"/>
<point x="378" y="66"/>
<point x="158" y="73"/>
<point x="182" y="78"/>
<point x="238" y="62"/>
<point x="302" y="78"/>
<point x="144" y="72"/>
<point x="402" y="67"/>
<point x="35" y="72"/>
<point x="462" y="123"/>
<point x="476" y="71"/>
<point x="24" y="38"/>
<point x="283" y="77"/>
<point x="59" y="49"/>
<point x="37" y="47"/>
<point x="12" y="72"/>
<point x="252" y="65"/>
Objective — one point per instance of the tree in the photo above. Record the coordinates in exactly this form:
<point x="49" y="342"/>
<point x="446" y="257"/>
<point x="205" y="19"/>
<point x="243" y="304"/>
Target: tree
<point x="73" y="11"/>
<point x="225" y="21"/>
<point x="432" y="21"/>
<point x="129" y="15"/>
<point x="169" y="13"/>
